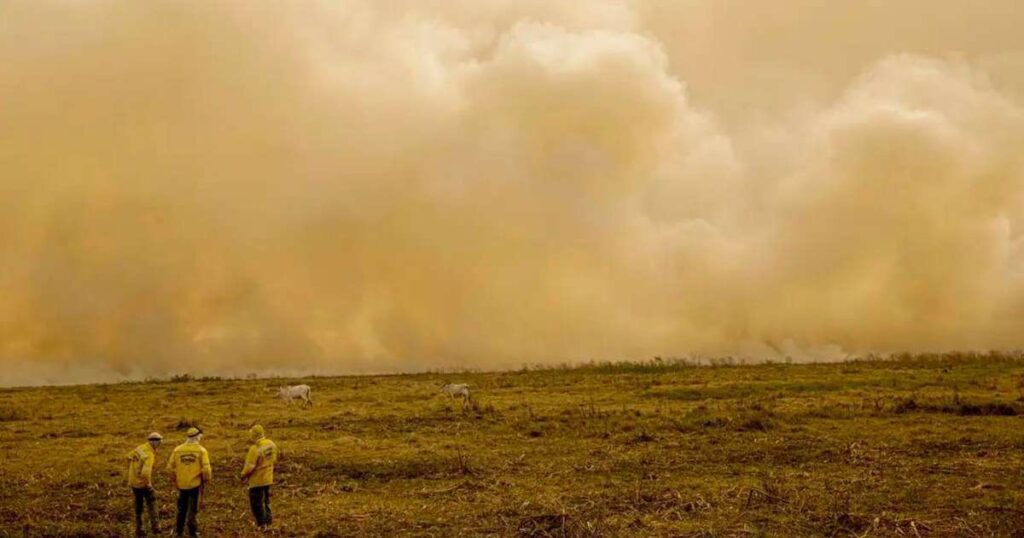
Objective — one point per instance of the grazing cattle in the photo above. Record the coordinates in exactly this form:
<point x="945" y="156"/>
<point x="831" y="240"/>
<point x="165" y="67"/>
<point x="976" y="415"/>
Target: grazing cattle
<point x="460" y="390"/>
<point x="298" y="391"/>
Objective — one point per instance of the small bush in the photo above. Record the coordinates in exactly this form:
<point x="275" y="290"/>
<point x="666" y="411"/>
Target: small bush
<point x="754" y="423"/>
<point x="989" y="409"/>
<point x="10" y="414"/>
<point x="186" y="423"/>
<point x="754" y="416"/>
<point x="644" y="437"/>
<point x="906" y="405"/>
<point x="964" y="409"/>
<point x="744" y="418"/>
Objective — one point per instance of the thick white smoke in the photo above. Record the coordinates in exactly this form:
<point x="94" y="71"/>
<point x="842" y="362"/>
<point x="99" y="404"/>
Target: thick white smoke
<point x="228" y="188"/>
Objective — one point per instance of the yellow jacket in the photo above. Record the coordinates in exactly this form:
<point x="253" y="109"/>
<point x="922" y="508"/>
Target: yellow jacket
<point x="190" y="464"/>
<point x="140" y="466"/>
<point x="259" y="463"/>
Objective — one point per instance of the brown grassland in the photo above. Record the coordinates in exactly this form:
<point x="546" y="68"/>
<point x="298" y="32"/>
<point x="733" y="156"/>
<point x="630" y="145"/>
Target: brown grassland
<point x="908" y="446"/>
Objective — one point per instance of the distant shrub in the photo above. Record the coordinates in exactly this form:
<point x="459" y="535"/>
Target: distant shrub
<point x="189" y="378"/>
<point x="186" y="423"/>
<point x="905" y="405"/>
<point x="10" y="414"/>
<point x="964" y="409"/>
<point x="644" y="437"/>
<point x="832" y="411"/>
<point x="654" y="365"/>
<point x="714" y="422"/>
<point x="744" y="418"/>
<point x="754" y="416"/>
<point x="754" y="423"/>
<point x="666" y="364"/>
<point x="990" y="409"/>
<point x="735" y="391"/>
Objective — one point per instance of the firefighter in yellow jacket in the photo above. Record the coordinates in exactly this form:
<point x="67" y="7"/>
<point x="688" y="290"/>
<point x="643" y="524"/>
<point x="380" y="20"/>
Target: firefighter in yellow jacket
<point x="140" y="478"/>
<point x="189" y="466"/>
<point x="259" y="473"/>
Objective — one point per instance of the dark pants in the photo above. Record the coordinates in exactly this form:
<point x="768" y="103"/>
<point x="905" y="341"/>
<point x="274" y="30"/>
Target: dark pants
<point x="145" y="496"/>
<point x="188" y="508"/>
<point x="259" y="501"/>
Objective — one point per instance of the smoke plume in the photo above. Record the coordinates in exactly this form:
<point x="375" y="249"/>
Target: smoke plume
<point x="224" y="188"/>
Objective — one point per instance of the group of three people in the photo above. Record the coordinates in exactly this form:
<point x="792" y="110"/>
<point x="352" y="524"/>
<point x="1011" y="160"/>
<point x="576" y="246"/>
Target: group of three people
<point x="190" y="470"/>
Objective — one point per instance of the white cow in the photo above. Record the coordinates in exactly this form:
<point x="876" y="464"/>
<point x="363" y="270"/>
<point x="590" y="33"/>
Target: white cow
<point x="298" y="391"/>
<point x="460" y="390"/>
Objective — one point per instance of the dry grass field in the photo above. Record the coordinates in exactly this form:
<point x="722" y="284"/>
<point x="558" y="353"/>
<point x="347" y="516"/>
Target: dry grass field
<point x="912" y="446"/>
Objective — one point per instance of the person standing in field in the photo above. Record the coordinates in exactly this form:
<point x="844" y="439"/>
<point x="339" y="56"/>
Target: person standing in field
<point x="259" y="473"/>
<point x="140" y="478"/>
<point x="189" y="466"/>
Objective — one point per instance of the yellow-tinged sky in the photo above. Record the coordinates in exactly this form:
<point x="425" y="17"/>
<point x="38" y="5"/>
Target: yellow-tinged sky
<point x="344" y="186"/>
